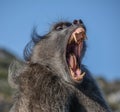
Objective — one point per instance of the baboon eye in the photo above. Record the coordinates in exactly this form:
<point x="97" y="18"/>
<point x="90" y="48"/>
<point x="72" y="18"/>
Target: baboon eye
<point x="62" y="26"/>
<point x="59" y="28"/>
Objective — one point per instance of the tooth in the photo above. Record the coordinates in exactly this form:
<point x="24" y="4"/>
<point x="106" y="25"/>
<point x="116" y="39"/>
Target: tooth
<point x="74" y="38"/>
<point x="71" y="38"/>
<point x="72" y="73"/>
<point x="79" y="30"/>
<point x="82" y="74"/>
<point x="80" y="77"/>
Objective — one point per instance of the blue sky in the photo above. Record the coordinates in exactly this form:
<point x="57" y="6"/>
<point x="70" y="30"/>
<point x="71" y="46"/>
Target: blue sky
<point x="101" y="17"/>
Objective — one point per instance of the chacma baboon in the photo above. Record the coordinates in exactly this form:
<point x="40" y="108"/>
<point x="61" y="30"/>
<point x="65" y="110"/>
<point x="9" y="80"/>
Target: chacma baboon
<point x="53" y="78"/>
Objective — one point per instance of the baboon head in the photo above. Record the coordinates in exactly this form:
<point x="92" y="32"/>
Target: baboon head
<point x="62" y="49"/>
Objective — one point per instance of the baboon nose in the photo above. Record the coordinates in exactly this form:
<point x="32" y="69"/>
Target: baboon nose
<point x="77" y="22"/>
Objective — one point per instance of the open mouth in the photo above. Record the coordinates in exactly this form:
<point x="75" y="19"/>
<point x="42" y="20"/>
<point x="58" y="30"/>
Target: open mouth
<point x="74" y="52"/>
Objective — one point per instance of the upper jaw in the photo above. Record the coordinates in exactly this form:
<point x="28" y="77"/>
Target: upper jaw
<point x="78" y="35"/>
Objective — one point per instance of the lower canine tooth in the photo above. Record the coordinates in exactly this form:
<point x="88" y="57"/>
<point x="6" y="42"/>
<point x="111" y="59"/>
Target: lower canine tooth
<point x="72" y="73"/>
<point x="82" y="74"/>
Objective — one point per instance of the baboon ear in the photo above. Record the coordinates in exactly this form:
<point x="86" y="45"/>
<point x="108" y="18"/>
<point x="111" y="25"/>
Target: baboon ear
<point x="35" y="36"/>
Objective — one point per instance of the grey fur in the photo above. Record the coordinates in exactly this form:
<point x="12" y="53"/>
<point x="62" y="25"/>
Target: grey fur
<point x="44" y="82"/>
<point x="14" y="71"/>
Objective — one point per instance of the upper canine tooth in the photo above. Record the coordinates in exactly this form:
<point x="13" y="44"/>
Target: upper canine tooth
<point x="71" y="38"/>
<point x="74" y="38"/>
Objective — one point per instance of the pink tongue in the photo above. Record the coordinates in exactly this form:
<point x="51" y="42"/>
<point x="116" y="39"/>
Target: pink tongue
<point x="78" y="72"/>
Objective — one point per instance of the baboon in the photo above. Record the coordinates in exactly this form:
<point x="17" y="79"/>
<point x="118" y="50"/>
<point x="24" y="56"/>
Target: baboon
<point x="53" y="78"/>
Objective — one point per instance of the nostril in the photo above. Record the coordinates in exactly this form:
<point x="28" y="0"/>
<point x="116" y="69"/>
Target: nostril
<point x="76" y="22"/>
<point x="80" y="21"/>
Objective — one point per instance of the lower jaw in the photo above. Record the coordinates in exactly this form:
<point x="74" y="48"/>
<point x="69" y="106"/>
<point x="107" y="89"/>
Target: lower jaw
<point x="74" y="68"/>
<point x="77" y="75"/>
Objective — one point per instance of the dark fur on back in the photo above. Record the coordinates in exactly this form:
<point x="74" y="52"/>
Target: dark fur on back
<point x="44" y="83"/>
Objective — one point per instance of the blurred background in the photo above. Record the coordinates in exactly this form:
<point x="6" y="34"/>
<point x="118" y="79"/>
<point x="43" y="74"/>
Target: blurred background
<point x="102" y="19"/>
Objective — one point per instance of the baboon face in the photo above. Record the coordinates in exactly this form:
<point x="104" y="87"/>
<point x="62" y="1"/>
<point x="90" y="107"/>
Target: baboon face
<point x="63" y="47"/>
